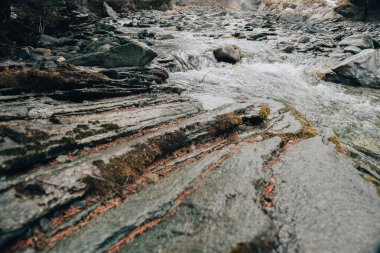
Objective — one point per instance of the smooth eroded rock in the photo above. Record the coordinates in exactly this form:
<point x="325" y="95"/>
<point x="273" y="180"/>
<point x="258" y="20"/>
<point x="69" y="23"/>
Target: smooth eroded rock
<point x="130" y="54"/>
<point x="362" y="41"/>
<point x="323" y="202"/>
<point x="362" y="69"/>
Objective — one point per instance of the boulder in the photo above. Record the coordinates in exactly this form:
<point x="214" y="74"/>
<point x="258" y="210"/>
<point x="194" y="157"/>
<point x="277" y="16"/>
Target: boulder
<point x="362" y="69"/>
<point x="351" y="8"/>
<point x="109" y="12"/>
<point x="362" y="41"/>
<point x="230" y="54"/>
<point x="130" y="54"/>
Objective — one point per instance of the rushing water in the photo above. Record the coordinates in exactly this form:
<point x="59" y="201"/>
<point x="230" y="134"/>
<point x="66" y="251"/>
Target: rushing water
<point x="351" y="113"/>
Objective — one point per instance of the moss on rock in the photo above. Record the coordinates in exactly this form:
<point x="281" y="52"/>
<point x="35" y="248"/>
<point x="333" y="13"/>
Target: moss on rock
<point x="48" y="80"/>
<point x="226" y="124"/>
<point x="124" y="170"/>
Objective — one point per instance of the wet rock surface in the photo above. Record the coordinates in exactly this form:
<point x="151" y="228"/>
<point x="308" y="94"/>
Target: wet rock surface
<point x="360" y="69"/>
<point x="155" y="143"/>
<point x="222" y="213"/>
<point x="230" y="54"/>
<point x="128" y="55"/>
<point x="307" y="205"/>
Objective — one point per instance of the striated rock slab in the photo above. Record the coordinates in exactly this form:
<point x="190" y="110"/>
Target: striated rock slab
<point x="222" y="202"/>
<point x="321" y="196"/>
<point x="29" y="197"/>
<point x="223" y="213"/>
<point x="48" y="131"/>
<point x="152" y="202"/>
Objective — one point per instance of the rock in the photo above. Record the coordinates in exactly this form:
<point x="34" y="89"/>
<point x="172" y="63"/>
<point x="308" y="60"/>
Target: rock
<point x="352" y="49"/>
<point x="362" y="69"/>
<point x="62" y="159"/>
<point x="127" y="55"/>
<point x="49" y="41"/>
<point x="36" y="57"/>
<point x="230" y="54"/>
<point x="43" y="51"/>
<point x="291" y="16"/>
<point x="108" y="11"/>
<point x="60" y="59"/>
<point x="224" y="210"/>
<point x="45" y="224"/>
<point x="80" y="204"/>
<point x="26" y="52"/>
<point x="99" y="44"/>
<point x="289" y="49"/>
<point x="362" y="41"/>
<point x="325" y="192"/>
<point x="166" y="37"/>
<point x="304" y="39"/>
<point x="146" y="34"/>
<point x="349" y="9"/>
<point x="258" y="37"/>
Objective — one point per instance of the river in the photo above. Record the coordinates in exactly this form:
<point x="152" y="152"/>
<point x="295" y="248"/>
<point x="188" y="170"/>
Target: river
<point x="350" y="113"/>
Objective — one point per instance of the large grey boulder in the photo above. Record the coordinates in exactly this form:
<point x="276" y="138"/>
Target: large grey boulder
<point x="362" y="41"/>
<point x="362" y="69"/>
<point x="130" y="54"/>
<point x="230" y="54"/>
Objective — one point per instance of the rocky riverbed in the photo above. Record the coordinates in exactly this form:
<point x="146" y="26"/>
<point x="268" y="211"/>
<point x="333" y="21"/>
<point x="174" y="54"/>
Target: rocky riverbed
<point x="251" y="128"/>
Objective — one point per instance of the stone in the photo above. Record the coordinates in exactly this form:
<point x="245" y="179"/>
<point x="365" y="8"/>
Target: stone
<point x="349" y="9"/>
<point x="26" y="52"/>
<point x="288" y="49"/>
<point x="45" y="224"/>
<point x="362" y="41"/>
<point x="230" y="54"/>
<point x="166" y="37"/>
<point x="43" y="51"/>
<point x="258" y="37"/>
<point x="130" y="54"/>
<point x="325" y="192"/>
<point x="60" y="59"/>
<point x="49" y="41"/>
<point x="62" y="159"/>
<point x="362" y="69"/>
<point x="80" y="204"/>
<point x="304" y="39"/>
<point x="352" y="49"/>
<point x="108" y="11"/>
